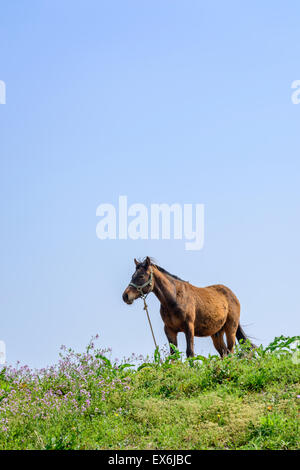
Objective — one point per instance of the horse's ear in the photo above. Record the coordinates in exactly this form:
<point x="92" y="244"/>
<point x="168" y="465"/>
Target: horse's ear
<point x="147" y="262"/>
<point x="136" y="262"/>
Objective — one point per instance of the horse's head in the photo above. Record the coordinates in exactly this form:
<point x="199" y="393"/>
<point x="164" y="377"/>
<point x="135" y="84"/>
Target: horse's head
<point x="141" y="282"/>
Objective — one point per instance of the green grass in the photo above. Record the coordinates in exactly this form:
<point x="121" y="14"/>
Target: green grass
<point x="245" y="401"/>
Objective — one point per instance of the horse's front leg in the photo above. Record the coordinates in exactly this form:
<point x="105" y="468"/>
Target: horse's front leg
<point x="172" y="337"/>
<point x="189" y="335"/>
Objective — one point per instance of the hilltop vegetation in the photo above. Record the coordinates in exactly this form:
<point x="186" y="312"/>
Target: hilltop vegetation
<point x="249" y="400"/>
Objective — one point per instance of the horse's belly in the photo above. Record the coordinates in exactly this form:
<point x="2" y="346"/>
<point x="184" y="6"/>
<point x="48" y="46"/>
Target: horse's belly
<point x="201" y="332"/>
<point x="210" y="322"/>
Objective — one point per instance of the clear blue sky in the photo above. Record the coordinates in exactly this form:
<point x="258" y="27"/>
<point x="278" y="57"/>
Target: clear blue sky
<point x="173" y="101"/>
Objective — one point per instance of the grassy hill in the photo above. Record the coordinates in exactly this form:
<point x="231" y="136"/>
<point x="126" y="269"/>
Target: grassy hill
<point x="249" y="400"/>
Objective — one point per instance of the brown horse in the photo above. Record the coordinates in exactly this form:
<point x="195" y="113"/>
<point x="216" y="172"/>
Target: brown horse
<point x="209" y="311"/>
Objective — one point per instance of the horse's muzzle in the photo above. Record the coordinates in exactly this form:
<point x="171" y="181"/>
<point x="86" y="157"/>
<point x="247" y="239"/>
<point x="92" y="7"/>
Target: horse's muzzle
<point x="126" y="298"/>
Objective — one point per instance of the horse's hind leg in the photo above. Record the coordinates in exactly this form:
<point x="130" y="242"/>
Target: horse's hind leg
<point x="219" y="343"/>
<point x="230" y="331"/>
<point x="232" y="321"/>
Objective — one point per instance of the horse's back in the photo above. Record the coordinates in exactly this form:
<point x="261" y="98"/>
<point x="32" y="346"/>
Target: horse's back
<point x="232" y="299"/>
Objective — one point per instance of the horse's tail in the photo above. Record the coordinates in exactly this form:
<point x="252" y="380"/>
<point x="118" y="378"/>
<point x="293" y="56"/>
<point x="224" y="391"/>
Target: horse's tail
<point x="240" y="334"/>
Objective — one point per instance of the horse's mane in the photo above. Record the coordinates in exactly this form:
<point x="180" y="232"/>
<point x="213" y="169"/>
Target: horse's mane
<point x="164" y="271"/>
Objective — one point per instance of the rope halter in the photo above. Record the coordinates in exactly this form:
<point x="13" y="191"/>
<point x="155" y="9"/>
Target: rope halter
<point x="141" y="287"/>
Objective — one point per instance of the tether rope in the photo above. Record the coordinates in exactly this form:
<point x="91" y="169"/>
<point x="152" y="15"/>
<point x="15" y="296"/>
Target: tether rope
<point x="146" y="308"/>
<point x="143" y="296"/>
